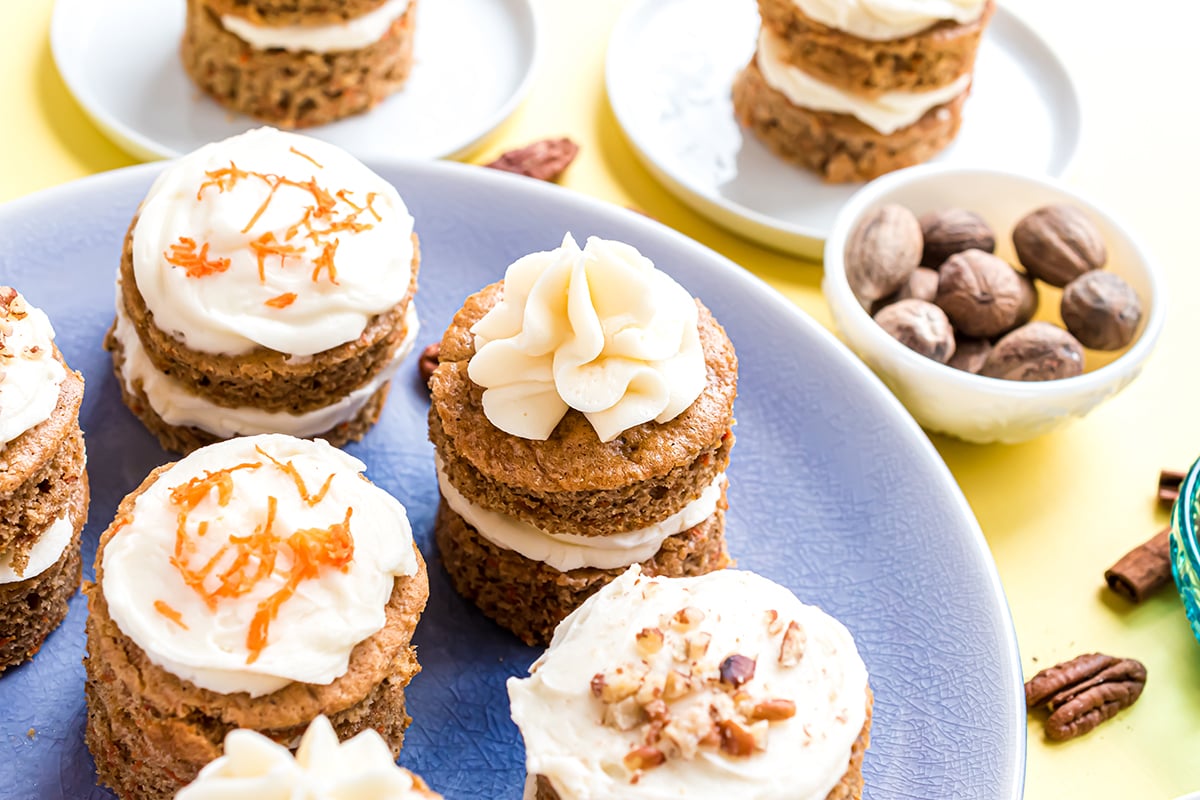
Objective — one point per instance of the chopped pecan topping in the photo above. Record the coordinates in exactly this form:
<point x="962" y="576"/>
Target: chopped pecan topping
<point x="791" y="650"/>
<point x="772" y="710"/>
<point x="625" y="715"/>
<point x="640" y="758"/>
<point x="737" y="669"/>
<point x="774" y="623"/>
<point x="1084" y="692"/>
<point x="736" y="740"/>
<point x="676" y="685"/>
<point x="686" y="619"/>
<point x="697" y="645"/>
<point x="649" y="641"/>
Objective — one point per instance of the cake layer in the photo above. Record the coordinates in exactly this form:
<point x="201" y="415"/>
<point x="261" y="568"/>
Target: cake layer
<point x="295" y="12"/>
<point x="530" y="598"/>
<point x="922" y="61"/>
<point x="266" y="379"/>
<point x="837" y="146"/>
<point x="572" y="469"/>
<point x="294" y="89"/>
<point x="30" y="609"/>
<point x="39" y="473"/>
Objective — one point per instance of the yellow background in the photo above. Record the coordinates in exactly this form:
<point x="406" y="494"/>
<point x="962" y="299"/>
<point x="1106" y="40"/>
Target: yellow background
<point x="1056" y="511"/>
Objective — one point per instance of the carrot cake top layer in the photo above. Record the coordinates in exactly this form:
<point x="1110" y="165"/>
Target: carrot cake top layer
<point x="256" y="768"/>
<point x="30" y="374"/>
<point x="599" y="330"/>
<point x="881" y="20"/>
<point x="724" y="685"/>
<point x="270" y="239"/>
<point x="256" y="562"/>
<point x="352" y="34"/>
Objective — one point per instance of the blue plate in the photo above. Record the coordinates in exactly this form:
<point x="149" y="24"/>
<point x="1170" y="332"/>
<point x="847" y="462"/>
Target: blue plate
<point x="834" y="492"/>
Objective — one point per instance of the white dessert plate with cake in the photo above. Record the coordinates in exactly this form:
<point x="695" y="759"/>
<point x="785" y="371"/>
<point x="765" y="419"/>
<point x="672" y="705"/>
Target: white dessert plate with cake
<point x="835" y="494"/>
<point x="670" y="71"/>
<point x="473" y="64"/>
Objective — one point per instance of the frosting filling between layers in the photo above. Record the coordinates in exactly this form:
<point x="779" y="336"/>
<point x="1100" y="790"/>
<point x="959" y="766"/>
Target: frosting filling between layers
<point x="353" y="34"/>
<point x="177" y="406"/>
<point x="886" y="113"/>
<point x="45" y="553"/>
<point x="31" y="375"/>
<point x="881" y="20"/>
<point x="565" y="551"/>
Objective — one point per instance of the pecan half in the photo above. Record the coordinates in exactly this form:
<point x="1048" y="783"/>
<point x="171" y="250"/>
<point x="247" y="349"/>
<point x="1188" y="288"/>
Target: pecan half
<point x="1085" y="691"/>
<point x="545" y="160"/>
<point x="737" y="669"/>
<point x="428" y="361"/>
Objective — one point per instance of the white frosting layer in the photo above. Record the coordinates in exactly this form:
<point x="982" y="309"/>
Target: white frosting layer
<point x="880" y="20"/>
<point x="48" y="550"/>
<point x="32" y="375"/>
<point x="353" y="34"/>
<point x="599" y="330"/>
<point x="227" y="311"/>
<point x="568" y="551"/>
<point x="177" y="406"/>
<point x="255" y="768"/>
<point x="805" y="755"/>
<point x="316" y="628"/>
<point x="886" y="113"/>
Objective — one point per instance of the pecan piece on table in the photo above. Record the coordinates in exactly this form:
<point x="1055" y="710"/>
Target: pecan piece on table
<point x="1085" y="691"/>
<point x="428" y="361"/>
<point x="545" y="160"/>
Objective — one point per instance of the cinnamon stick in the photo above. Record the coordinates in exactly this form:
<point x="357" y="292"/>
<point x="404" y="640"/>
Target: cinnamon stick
<point x="1169" y="483"/>
<point x="1143" y="570"/>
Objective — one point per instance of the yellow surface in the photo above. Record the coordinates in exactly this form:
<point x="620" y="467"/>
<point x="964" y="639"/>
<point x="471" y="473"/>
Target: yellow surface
<point x="1056" y="511"/>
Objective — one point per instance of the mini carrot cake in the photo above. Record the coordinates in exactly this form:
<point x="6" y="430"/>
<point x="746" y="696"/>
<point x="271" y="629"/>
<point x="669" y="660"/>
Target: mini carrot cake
<point x="718" y="686"/>
<point x="256" y="583"/>
<point x="323" y="768"/>
<point x="266" y="286"/>
<point x="299" y="63"/>
<point x="581" y="416"/>
<point x="855" y="88"/>
<point x="43" y="482"/>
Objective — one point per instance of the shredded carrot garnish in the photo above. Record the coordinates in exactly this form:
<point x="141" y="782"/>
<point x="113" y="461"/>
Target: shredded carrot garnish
<point x="191" y="494"/>
<point x="282" y="301"/>
<point x="170" y="613"/>
<point x="121" y="521"/>
<point x="306" y="156"/>
<point x="324" y="262"/>
<point x="265" y="246"/>
<point x="289" y="469"/>
<point x="197" y="264"/>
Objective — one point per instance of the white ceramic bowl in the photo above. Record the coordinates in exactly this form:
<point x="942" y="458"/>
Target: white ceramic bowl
<point x="972" y="407"/>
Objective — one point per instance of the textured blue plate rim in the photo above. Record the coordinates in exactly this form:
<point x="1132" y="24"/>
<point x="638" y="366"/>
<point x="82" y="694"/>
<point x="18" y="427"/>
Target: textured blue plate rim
<point x="904" y="425"/>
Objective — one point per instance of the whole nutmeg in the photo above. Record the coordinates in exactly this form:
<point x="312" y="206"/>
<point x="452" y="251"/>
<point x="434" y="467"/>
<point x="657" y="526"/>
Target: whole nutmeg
<point x="970" y="354"/>
<point x="953" y="230"/>
<point x="1058" y="243"/>
<point x="1038" y="351"/>
<point x="1101" y="310"/>
<point x="920" y="326"/>
<point x="882" y="252"/>
<point x="1029" y="300"/>
<point x="981" y="294"/>
<point x="921" y="285"/>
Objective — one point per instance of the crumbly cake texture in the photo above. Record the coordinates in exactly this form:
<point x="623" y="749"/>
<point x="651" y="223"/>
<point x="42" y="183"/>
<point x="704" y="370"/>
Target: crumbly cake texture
<point x="294" y="89"/>
<point x="927" y="60"/>
<point x="850" y="787"/>
<point x="151" y="732"/>
<point x="530" y="598"/>
<point x="32" y="608"/>
<point x="837" y="146"/>
<point x="277" y="13"/>
<point x="40" y="471"/>
<point x="264" y="378"/>
<point x="573" y="482"/>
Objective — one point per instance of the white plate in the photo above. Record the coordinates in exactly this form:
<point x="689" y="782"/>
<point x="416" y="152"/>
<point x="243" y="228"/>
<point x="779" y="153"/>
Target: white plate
<point x="474" y="60"/>
<point x="670" y="67"/>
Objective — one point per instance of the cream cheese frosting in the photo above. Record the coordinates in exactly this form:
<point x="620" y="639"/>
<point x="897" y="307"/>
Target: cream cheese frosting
<point x="597" y="329"/>
<point x="567" y="551"/>
<point x="880" y="20"/>
<point x="255" y="768"/>
<point x="44" y="554"/>
<point x="176" y="405"/>
<point x="31" y="375"/>
<point x="584" y="718"/>
<point x="353" y="34"/>
<point x="270" y="239"/>
<point x="256" y="562"/>
<point x="886" y="113"/>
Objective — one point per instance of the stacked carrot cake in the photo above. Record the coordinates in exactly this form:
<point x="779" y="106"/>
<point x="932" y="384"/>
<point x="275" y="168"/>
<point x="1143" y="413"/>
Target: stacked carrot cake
<point x="297" y="63"/>
<point x="722" y="685"/>
<point x="581" y="415"/>
<point x="253" y="766"/>
<point x="266" y="286"/>
<point x="43" y="482"/>
<point x="256" y="583"/>
<point x="855" y="88"/>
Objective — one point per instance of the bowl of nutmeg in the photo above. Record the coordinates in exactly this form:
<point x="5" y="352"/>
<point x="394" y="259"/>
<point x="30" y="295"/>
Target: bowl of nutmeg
<point x="995" y="305"/>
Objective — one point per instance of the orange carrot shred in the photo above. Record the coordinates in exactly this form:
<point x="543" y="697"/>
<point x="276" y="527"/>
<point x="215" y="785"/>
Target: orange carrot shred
<point x="307" y="157"/>
<point x="195" y="264"/>
<point x="281" y="301"/>
<point x="170" y="613"/>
